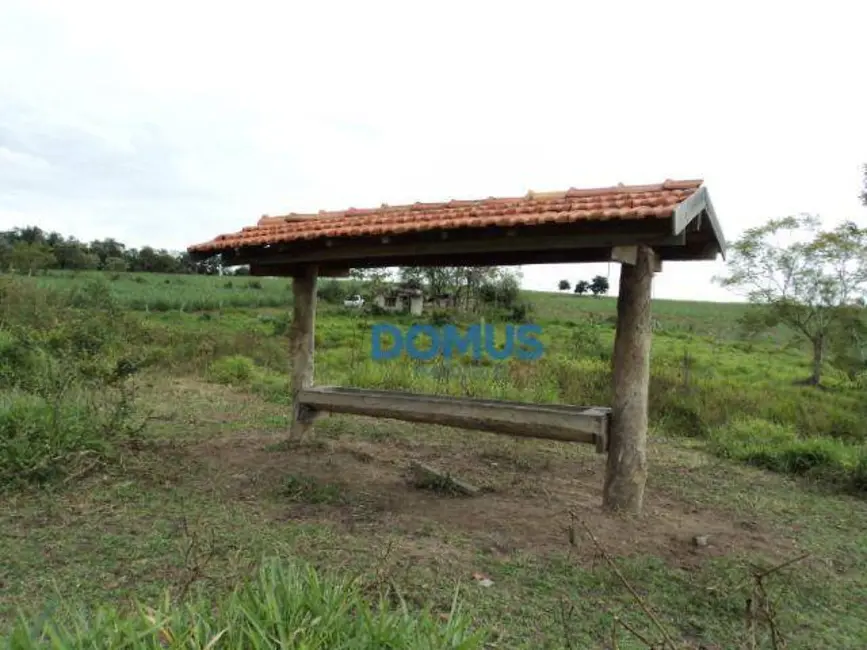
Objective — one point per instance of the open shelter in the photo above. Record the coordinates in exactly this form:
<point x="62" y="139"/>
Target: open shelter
<point x="638" y="226"/>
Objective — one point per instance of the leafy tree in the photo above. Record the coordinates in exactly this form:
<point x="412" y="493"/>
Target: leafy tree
<point x="411" y="277"/>
<point x="75" y="256"/>
<point x="31" y="257"/>
<point x="811" y="283"/>
<point x="564" y="285"/>
<point x="502" y="290"/>
<point x="333" y="291"/>
<point x="582" y="287"/>
<point x="107" y="248"/>
<point x="599" y="285"/>
<point x="374" y="279"/>
<point x="29" y="235"/>
<point x="115" y="264"/>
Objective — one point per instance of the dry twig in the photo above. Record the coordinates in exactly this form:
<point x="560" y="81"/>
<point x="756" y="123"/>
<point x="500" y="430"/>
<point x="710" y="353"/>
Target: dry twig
<point x="759" y="606"/>
<point x="638" y="599"/>
<point x="195" y="559"/>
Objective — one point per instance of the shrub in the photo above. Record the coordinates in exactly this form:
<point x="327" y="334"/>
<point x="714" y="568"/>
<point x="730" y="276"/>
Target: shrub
<point x="780" y="449"/>
<point x="37" y="438"/>
<point x="522" y="312"/>
<point x="65" y="367"/>
<point x="235" y="370"/>
<point x="332" y="292"/>
<point x="440" y="317"/>
<point x="282" y="324"/>
<point x="585" y="341"/>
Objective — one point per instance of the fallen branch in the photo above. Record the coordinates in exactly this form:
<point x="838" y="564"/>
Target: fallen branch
<point x="429" y="477"/>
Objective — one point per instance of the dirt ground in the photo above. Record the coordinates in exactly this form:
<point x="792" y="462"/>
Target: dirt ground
<point x="532" y="493"/>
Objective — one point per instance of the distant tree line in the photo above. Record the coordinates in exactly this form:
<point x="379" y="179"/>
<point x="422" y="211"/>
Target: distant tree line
<point x="30" y="250"/>
<point x="597" y="286"/>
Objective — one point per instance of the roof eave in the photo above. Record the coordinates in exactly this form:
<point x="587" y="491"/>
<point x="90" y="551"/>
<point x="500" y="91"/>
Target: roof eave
<point x="688" y="210"/>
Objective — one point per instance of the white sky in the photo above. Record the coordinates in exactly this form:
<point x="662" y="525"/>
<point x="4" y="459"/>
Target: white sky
<point x="167" y="123"/>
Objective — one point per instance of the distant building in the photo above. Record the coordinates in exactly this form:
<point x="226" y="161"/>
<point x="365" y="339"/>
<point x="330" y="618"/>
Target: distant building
<point x="401" y="300"/>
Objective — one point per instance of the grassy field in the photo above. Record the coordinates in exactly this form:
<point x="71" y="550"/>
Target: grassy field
<point x="162" y="402"/>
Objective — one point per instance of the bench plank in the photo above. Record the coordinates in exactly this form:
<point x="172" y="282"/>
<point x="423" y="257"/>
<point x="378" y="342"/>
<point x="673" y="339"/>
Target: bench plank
<point x="546" y="421"/>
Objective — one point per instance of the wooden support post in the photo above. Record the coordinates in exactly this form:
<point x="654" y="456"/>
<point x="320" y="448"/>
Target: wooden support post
<point x="301" y="347"/>
<point x="626" y="470"/>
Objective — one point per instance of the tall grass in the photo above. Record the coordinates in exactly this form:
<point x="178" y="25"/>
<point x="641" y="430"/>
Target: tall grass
<point x="285" y="605"/>
<point x="700" y="383"/>
<point x="699" y="388"/>
<point x="66" y="391"/>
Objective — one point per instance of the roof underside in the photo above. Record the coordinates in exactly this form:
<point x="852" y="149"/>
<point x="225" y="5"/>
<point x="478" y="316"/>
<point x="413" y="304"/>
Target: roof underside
<point x="676" y="218"/>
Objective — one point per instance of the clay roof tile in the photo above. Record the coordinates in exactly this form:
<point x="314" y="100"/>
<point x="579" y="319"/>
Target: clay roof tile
<point x="575" y="204"/>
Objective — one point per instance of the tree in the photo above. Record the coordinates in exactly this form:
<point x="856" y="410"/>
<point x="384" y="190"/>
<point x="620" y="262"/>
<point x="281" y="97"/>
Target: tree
<point x="107" y="248"/>
<point x="374" y="280"/>
<point x="582" y="287"/>
<point x="31" y="257"/>
<point x="810" y="283"/>
<point x="502" y="290"/>
<point x="115" y="264"/>
<point x="411" y="277"/>
<point x="564" y="285"/>
<point x="599" y="285"/>
<point x="74" y="256"/>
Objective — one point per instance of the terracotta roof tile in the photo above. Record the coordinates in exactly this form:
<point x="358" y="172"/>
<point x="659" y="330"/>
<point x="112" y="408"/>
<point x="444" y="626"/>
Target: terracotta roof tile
<point x="573" y="205"/>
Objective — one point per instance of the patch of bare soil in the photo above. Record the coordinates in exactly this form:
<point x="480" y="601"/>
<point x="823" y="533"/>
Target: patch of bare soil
<point x="525" y="504"/>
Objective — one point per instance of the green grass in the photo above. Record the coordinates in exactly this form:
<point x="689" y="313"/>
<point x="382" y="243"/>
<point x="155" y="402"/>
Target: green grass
<point x="190" y="505"/>
<point x="284" y="605"/>
<point x="158" y="292"/>
<point x="211" y="493"/>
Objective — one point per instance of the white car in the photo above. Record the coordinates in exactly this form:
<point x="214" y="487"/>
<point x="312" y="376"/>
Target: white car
<point x="354" y="301"/>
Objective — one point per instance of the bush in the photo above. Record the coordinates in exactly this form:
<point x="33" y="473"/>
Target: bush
<point x="65" y="367"/>
<point x="440" y="317"/>
<point x="585" y="340"/>
<point x="332" y="292"/>
<point x="234" y="370"/>
<point x="522" y="312"/>
<point x="37" y="438"/>
<point x="284" y="605"/>
<point x="780" y="449"/>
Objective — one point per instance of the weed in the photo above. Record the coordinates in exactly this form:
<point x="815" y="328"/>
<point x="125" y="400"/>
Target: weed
<point x="234" y="370"/>
<point x="305" y="489"/>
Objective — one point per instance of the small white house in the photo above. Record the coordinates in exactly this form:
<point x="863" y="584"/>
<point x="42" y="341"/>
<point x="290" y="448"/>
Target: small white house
<point x="401" y="300"/>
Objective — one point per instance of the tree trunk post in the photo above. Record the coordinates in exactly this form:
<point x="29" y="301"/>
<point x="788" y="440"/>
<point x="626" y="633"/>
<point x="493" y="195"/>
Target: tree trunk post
<point x="626" y="470"/>
<point x="301" y="340"/>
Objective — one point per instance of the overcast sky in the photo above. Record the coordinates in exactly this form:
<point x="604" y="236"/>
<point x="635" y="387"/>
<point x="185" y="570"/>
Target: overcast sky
<point x="167" y="123"/>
